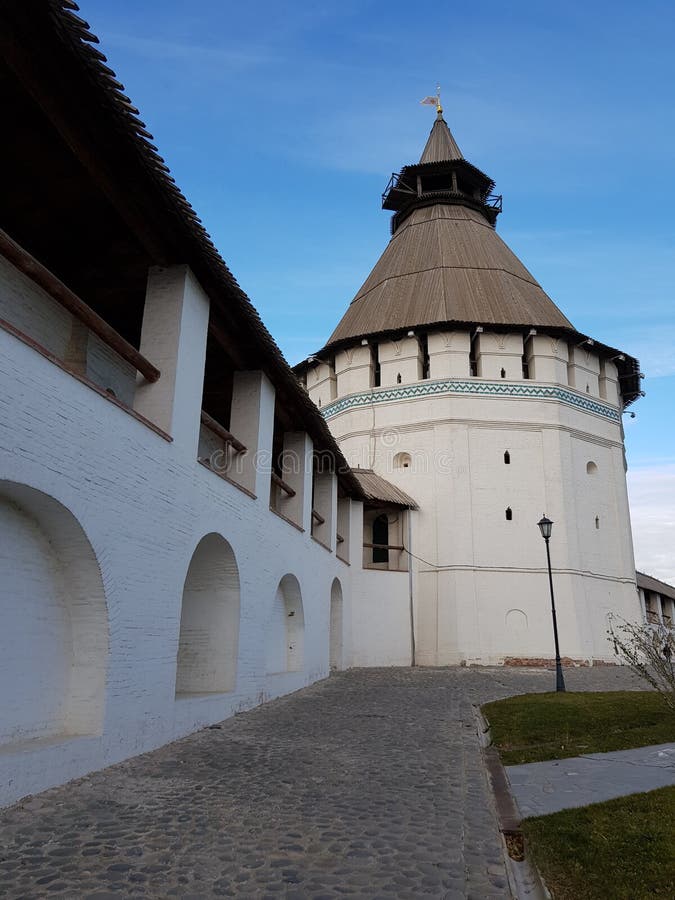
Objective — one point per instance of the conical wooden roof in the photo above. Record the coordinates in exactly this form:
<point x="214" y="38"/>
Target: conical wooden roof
<point x="447" y="264"/>
<point x="441" y="145"/>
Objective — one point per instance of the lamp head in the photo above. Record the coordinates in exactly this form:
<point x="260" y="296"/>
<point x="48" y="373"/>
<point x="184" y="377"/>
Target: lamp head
<point x="545" y="526"/>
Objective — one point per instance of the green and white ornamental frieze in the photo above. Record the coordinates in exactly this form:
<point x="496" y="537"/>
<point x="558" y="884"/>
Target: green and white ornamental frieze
<point x="475" y="388"/>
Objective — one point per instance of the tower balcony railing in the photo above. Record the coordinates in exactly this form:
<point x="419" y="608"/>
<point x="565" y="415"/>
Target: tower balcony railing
<point x="494" y="201"/>
<point x="395" y="183"/>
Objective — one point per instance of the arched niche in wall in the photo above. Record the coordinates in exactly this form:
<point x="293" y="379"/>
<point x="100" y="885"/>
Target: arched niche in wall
<point x="402" y="461"/>
<point x="208" y="642"/>
<point x="591" y="467"/>
<point x="516" y="621"/>
<point x="336" y="626"/>
<point x="54" y="631"/>
<point x="286" y="628"/>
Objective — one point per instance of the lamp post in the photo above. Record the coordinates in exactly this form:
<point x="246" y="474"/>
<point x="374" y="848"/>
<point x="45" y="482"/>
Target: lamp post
<point x="546" y="526"/>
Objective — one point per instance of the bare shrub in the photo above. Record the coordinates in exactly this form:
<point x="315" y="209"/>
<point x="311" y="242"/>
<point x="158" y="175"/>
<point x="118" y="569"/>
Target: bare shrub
<point x="649" y="649"/>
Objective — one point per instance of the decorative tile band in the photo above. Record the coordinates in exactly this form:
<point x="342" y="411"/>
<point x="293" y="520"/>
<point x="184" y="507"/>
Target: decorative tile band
<point x="475" y="388"/>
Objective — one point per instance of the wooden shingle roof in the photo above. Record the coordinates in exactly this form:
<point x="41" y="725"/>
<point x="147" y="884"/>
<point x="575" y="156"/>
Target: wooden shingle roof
<point x="441" y="145"/>
<point x="447" y="264"/>
<point x="377" y="488"/>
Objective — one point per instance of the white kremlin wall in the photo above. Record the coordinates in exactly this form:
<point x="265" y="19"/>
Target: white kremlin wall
<point x="143" y="595"/>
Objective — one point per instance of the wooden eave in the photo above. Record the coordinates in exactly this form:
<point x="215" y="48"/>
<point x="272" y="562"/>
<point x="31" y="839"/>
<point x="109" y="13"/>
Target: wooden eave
<point x="655" y="585"/>
<point x="628" y="368"/>
<point x="124" y="188"/>
<point x="449" y="165"/>
<point x="381" y="493"/>
<point x="403" y="193"/>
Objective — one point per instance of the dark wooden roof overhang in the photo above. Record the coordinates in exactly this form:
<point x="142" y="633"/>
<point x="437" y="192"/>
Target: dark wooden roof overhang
<point x="649" y="583"/>
<point x="88" y="195"/>
<point x="459" y="165"/>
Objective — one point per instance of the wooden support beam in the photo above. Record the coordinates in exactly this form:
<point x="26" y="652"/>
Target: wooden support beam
<point x="318" y="518"/>
<point x="384" y="546"/>
<point x="280" y="483"/>
<point x="226" y="436"/>
<point x="58" y="291"/>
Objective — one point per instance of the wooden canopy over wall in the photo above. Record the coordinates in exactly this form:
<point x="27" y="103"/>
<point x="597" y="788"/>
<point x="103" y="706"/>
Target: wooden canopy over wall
<point x="86" y="193"/>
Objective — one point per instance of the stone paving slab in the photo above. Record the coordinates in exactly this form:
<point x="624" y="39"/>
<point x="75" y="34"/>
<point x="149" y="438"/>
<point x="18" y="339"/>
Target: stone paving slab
<point x="547" y="787"/>
<point x="369" y="784"/>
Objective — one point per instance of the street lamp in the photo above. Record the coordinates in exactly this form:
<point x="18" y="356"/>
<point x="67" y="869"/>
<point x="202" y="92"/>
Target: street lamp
<point x="546" y="526"/>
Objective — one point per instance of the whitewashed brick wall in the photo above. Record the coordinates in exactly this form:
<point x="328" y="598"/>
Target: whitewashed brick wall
<point x="144" y="505"/>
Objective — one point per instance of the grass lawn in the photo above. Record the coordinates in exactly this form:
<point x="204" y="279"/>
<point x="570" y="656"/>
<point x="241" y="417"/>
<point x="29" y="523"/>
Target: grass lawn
<point x="534" y="727"/>
<point x="620" y="850"/>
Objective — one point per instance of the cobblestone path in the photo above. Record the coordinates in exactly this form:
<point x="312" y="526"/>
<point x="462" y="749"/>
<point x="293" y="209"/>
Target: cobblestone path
<point x="369" y="785"/>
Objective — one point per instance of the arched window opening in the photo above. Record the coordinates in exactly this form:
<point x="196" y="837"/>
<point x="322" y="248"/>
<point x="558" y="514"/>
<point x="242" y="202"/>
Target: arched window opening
<point x="209" y="621"/>
<point x="503" y="373"/>
<point x="509" y="514"/>
<point x="591" y="468"/>
<point x="507" y="458"/>
<point x="402" y="461"/>
<point x="381" y="538"/>
<point x="398" y="378"/>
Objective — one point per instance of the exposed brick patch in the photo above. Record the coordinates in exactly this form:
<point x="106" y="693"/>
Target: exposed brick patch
<point x="541" y="662"/>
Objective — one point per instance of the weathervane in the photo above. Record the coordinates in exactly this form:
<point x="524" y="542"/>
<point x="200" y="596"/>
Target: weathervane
<point x="434" y="101"/>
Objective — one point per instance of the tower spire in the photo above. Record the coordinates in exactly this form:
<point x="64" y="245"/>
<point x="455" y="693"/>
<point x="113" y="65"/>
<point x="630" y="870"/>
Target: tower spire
<point x="441" y="145"/>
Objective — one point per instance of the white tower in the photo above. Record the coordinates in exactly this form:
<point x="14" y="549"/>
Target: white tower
<point x="454" y="376"/>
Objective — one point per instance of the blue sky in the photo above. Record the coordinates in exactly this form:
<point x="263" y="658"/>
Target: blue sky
<point x="282" y="121"/>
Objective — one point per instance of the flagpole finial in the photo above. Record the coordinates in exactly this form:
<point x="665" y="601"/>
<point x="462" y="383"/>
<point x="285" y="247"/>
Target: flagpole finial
<point x="434" y="100"/>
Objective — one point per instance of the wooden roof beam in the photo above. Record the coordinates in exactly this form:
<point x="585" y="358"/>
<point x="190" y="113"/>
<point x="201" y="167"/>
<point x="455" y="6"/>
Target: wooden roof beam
<point x="53" y="84"/>
<point x="56" y="289"/>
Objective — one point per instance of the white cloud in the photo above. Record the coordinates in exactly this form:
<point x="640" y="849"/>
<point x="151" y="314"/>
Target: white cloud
<point x="652" y="504"/>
